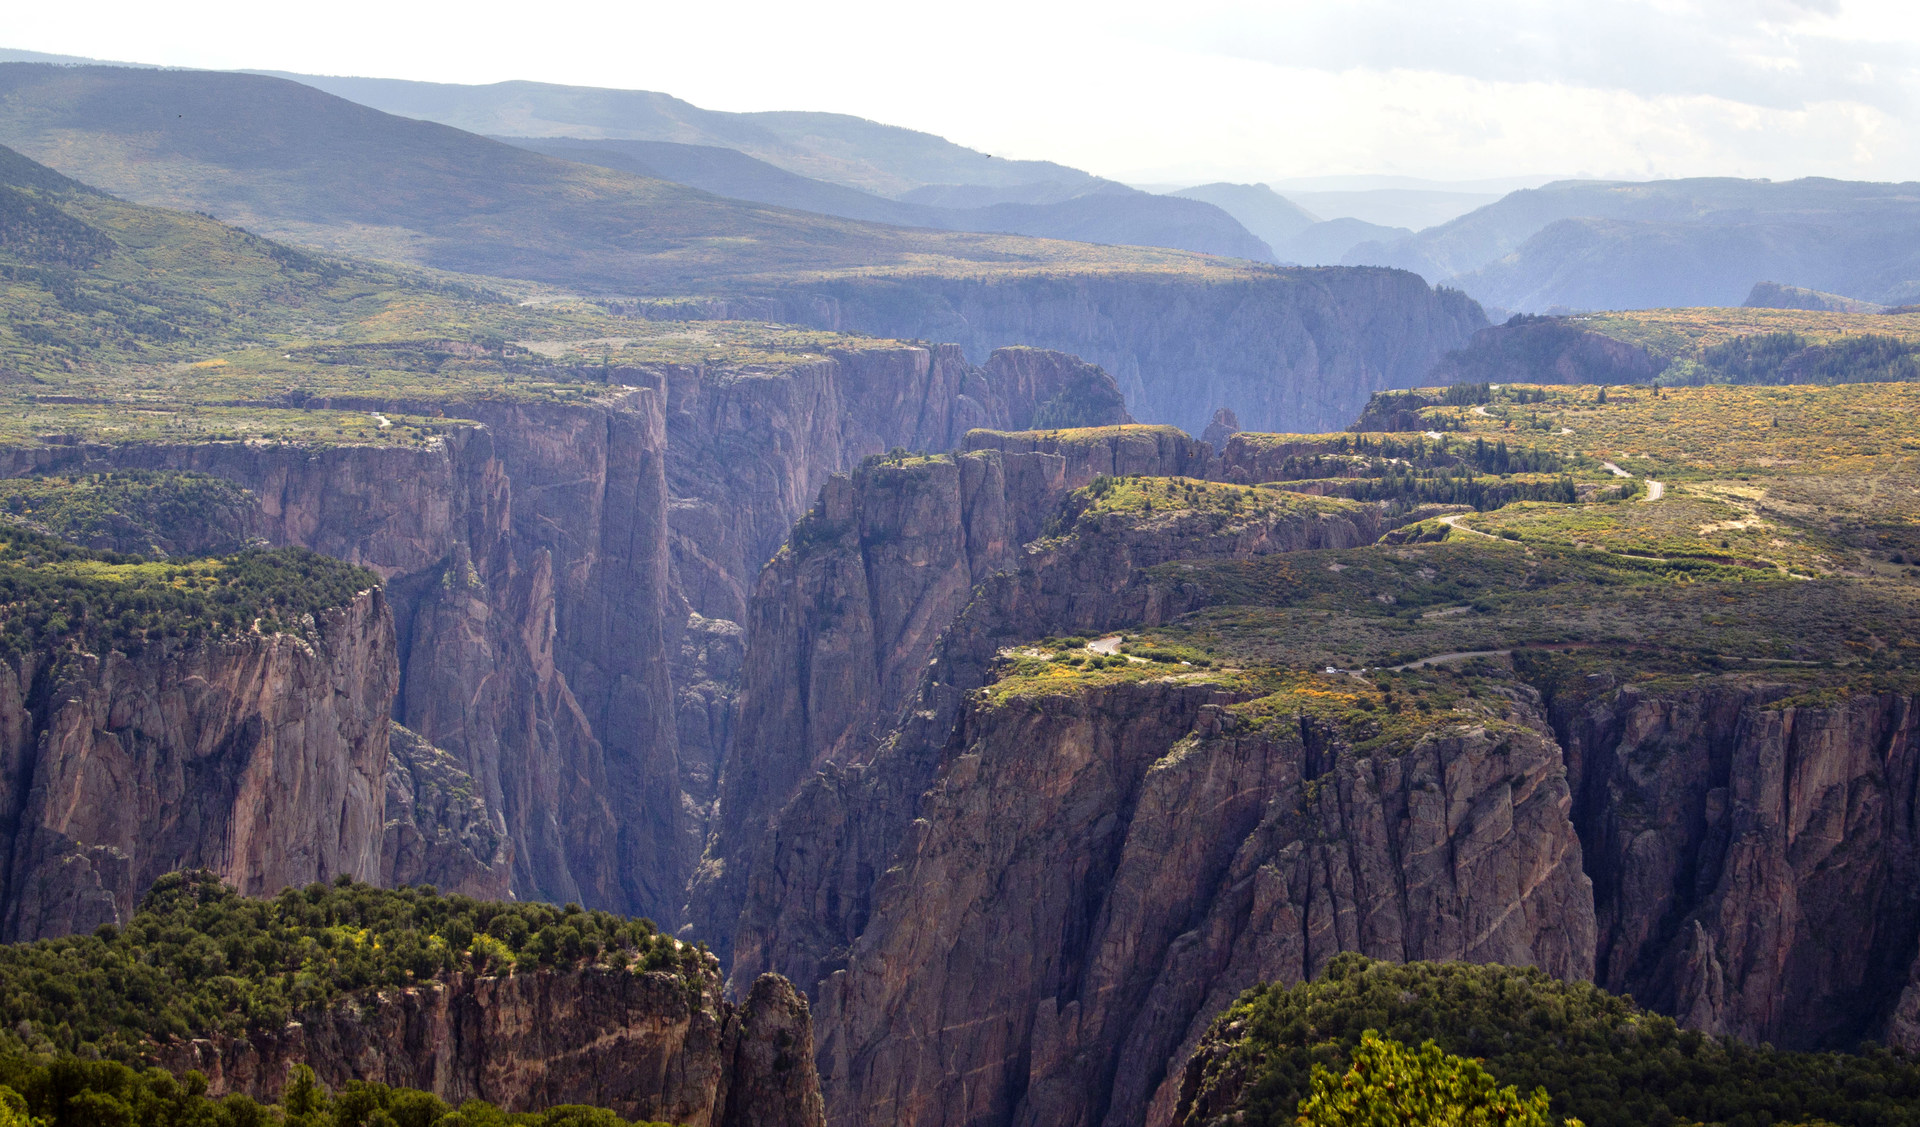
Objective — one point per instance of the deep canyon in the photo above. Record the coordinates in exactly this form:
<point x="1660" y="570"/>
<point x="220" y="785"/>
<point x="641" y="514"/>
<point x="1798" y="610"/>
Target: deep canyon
<point x="577" y="682"/>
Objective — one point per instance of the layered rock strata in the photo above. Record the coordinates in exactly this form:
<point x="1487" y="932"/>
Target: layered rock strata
<point x="1116" y="864"/>
<point x="864" y="712"/>
<point x="847" y="617"/>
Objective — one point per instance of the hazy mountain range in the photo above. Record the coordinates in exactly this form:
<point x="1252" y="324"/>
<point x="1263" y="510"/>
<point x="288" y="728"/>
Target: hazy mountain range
<point x="1565" y="245"/>
<point x="1707" y="241"/>
<point x="287" y="160"/>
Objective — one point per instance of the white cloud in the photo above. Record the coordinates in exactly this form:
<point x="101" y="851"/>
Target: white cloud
<point x="1160" y="91"/>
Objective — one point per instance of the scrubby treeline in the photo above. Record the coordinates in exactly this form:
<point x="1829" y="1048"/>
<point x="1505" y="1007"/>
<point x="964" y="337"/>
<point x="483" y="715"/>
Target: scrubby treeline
<point x="1599" y="1057"/>
<point x="199" y="958"/>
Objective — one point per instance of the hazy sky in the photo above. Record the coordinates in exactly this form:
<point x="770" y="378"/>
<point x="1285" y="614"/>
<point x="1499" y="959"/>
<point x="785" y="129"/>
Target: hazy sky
<point x="1181" y="91"/>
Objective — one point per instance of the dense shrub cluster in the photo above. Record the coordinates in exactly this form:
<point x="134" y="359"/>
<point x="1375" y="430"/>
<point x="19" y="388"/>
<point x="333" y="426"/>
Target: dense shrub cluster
<point x="1409" y="488"/>
<point x="57" y="596"/>
<point x="32" y="230"/>
<point x="198" y="958"/>
<point x="1389" y="1084"/>
<point x="66" y="1092"/>
<point x="1789" y="358"/>
<point x="1374" y="455"/>
<point x="134" y="512"/>
<point x="1599" y="1057"/>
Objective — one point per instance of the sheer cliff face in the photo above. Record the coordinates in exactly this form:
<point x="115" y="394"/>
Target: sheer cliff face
<point x="541" y="567"/>
<point x="1116" y="864"/>
<point x="647" y="1046"/>
<point x="261" y="758"/>
<point x="1294" y="352"/>
<point x="439" y="831"/>
<point x="848" y="615"/>
<point x="1026" y="910"/>
<point x="1754" y="861"/>
<point x="748" y="454"/>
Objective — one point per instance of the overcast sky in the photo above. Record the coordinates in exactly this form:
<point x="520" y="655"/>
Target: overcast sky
<point x="1175" y="92"/>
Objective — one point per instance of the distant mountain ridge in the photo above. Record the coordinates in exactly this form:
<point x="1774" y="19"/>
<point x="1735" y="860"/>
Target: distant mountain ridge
<point x="884" y="161"/>
<point x="1691" y="242"/>
<point x="839" y="148"/>
<point x="291" y="162"/>
<point x="1296" y="234"/>
<point x="1096" y="211"/>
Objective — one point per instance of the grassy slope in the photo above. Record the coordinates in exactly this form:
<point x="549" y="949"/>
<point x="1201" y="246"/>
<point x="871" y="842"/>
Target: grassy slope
<point x="289" y="161"/>
<point x="837" y="148"/>
<point x="122" y="322"/>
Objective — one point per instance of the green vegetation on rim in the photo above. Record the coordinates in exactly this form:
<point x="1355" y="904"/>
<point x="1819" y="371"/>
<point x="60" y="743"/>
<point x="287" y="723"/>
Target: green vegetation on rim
<point x="1599" y="1057"/>
<point x="37" y="1090"/>
<point x="59" y="598"/>
<point x="1387" y="1084"/>
<point x="121" y="323"/>
<point x="136" y="512"/>
<point x="199" y="959"/>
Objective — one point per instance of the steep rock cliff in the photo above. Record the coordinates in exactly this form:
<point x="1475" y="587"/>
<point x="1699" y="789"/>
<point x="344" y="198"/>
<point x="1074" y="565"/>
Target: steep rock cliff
<point x="1291" y="351"/>
<point x="542" y="560"/>
<point x="1754" y="860"/>
<point x="1117" y="863"/>
<point x="439" y="831"/>
<point x="847" y="615"/>
<point x="749" y="450"/>
<point x="263" y="758"/>
<point x="808" y="879"/>
<point x="647" y="1045"/>
<point x="525" y="560"/>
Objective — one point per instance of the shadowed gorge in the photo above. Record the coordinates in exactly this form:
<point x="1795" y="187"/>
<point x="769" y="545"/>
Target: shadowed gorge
<point x="540" y="606"/>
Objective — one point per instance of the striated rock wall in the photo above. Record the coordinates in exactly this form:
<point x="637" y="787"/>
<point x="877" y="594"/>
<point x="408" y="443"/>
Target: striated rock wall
<point x="847" y="616"/>
<point x="1116" y="864"/>
<point x="1290" y="351"/>
<point x="867" y="724"/>
<point x="749" y="451"/>
<point x="649" y="1046"/>
<point x="1754" y="864"/>
<point x="565" y="579"/>
<point x="261" y="758"/>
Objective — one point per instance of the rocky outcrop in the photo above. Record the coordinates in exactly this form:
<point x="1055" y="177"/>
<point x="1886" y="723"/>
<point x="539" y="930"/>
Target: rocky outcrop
<point x="1151" y="451"/>
<point x="863" y="704"/>
<point x="1116" y="864"/>
<point x="649" y="1046"/>
<point x="1754" y="861"/>
<point x="1529" y="349"/>
<point x="263" y="758"/>
<point x="439" y="831"/>
<point x="1288" y="350"/>
<point x="1224" y="425"/>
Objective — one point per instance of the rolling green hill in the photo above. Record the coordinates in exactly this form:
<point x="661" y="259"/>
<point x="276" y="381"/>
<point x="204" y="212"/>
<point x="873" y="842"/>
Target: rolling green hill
<point x="288" y="161"/>
<point x="837" y="148"/>
<point x="1096" y="211"/>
